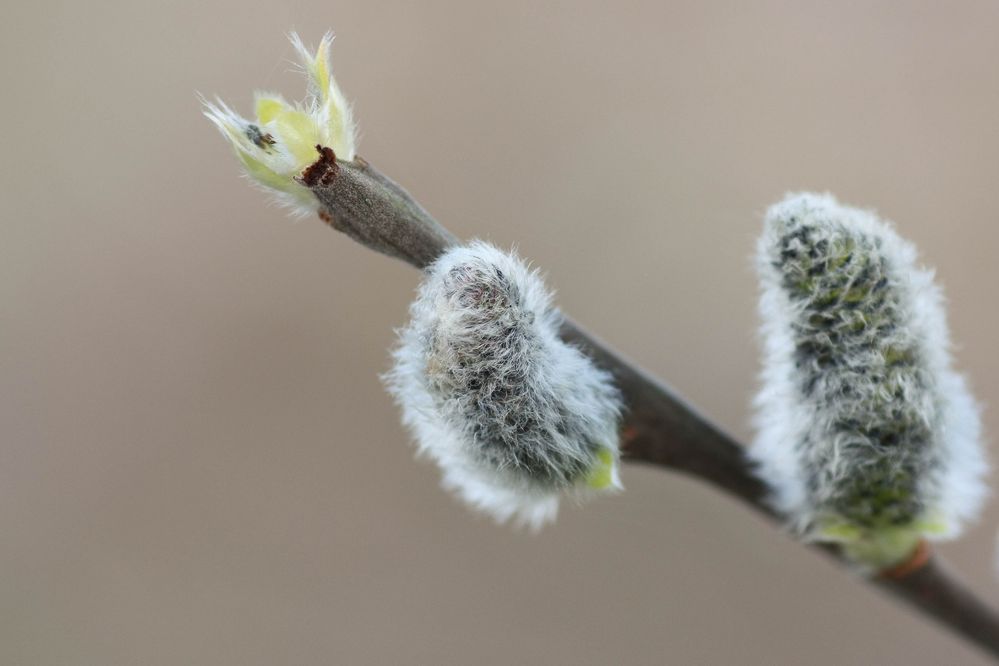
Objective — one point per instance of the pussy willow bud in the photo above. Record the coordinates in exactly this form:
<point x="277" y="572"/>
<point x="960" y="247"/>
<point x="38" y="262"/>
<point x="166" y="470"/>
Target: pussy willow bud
<point x="514" y="416"/>
<point x="865" y="434"/>
<point x="281" y="142"/>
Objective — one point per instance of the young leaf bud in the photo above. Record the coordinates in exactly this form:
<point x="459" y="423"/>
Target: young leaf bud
<point x="514" y="416"/>
<point x="281" y="143"/>
<point x="865" y="434"/>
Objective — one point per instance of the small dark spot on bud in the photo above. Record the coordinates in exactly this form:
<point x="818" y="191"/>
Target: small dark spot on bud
<point x="261" y="140"/>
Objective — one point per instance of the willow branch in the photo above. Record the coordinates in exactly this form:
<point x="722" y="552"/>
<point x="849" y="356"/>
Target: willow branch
<point x="660" y="427"/>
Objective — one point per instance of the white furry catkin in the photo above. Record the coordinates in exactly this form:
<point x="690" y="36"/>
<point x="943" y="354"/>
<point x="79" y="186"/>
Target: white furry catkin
<point x="513" y="415"/>
<point x="865" y="434"/>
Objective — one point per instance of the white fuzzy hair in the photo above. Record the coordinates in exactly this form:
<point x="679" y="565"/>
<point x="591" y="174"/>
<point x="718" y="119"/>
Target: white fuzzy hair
<point x="513" y="415"/>
<point x="860" y="417"/>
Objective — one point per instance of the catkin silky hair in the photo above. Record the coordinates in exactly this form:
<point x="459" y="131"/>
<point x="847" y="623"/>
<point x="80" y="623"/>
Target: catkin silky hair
<point x="865" y="433"/>
<point x="514" y="416"/>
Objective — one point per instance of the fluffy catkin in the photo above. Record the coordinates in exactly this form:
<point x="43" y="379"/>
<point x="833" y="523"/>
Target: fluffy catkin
<point x="865" y="434"/>
<point x="514" y="416"/>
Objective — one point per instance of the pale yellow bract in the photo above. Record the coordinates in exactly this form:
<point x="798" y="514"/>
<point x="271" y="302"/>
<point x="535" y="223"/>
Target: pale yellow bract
<point x="276" y="147"/>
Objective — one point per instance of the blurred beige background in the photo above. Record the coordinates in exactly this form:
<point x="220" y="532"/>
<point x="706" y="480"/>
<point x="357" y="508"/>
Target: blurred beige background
<point x="198" y="463"/>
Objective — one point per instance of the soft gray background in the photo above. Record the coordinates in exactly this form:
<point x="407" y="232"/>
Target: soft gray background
<point x="198" y="463"/>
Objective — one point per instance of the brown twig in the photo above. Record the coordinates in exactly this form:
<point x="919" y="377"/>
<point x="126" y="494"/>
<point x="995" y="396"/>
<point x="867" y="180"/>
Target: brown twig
<point x="660" y="428"/>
